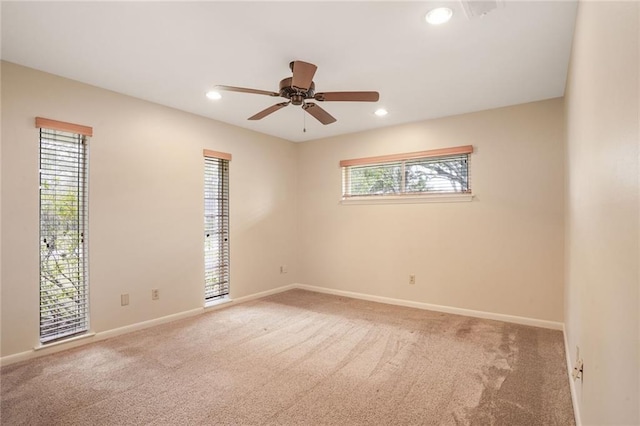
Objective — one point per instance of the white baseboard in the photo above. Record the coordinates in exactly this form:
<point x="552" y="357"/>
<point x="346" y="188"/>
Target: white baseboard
<point x="96" y="337"/>
<point x="234" y="301"/>
<point x="438" y="308"/>
<point x="146" y="324"/>
<point x="265" y="293"/>
<point x="83" y="340"/>
<point x="572" y="383"/>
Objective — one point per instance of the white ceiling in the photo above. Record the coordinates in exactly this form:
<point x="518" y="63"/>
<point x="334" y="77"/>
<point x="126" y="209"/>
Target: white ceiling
<point x="171" y="53"/>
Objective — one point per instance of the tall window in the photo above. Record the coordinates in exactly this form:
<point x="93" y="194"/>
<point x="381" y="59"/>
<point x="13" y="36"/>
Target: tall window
<point x="441" y="171"/>
<point x="64" y="293"/>
<point x="216" y="225"/>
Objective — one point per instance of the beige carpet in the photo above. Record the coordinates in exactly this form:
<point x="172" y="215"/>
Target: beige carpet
<point x="301" y="358"/>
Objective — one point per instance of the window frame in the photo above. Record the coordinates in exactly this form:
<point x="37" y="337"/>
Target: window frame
<point x="67" y="326"/>
<point x="405" y="196"/>
<point x="223" y="159"/>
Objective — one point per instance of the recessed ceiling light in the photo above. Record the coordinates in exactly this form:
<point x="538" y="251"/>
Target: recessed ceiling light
<point x="380" y="112"/>
<point x="439" y="15"/>
<point x="214" y="95"/>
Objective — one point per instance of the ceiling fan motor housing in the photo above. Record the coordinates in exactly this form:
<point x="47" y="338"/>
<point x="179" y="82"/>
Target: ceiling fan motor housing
<point x="297" y="96"/>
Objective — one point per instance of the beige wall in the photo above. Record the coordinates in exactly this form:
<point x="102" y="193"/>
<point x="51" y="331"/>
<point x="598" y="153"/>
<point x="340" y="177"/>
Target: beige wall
<point x="501" y="253"/>
<point x="146" y="204"/>
<point x="0" y="205"/>
<point x="602" y="210"/>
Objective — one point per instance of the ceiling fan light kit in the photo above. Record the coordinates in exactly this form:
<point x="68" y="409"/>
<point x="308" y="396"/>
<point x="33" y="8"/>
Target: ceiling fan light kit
<point x="299" y="89"/>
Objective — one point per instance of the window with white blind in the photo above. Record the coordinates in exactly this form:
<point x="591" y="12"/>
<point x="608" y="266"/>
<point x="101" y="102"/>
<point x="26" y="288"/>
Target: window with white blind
<point x="64" y="291"/>
<point x="216" y="225"/>
<point x="438" y="174"/>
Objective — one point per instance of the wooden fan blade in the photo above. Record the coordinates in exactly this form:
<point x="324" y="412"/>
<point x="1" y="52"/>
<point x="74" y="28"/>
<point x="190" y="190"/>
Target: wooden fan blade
<point x="303" y="73"/>
<point x="318" y="113"/>
<point x="245" y="90"/>
<point x="273" y="108"/>
<point x="348" y="96"/>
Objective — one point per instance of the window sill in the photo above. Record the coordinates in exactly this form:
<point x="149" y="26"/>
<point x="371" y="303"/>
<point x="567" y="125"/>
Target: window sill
<point x="217" y="302"/>
<point x="63" y="341"/>
<point x="409" y="199"/>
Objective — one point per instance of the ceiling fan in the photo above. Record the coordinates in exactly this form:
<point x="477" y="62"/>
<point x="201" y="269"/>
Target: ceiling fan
<point x="299" y="89"/>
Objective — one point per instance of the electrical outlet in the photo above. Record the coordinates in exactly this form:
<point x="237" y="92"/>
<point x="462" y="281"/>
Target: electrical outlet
<point x="155" y="294"/>
<point x="283" y="269"/>
<point x="412" y="279"/>
<point x="124" y="299"/>
<point x="578" y="370"/>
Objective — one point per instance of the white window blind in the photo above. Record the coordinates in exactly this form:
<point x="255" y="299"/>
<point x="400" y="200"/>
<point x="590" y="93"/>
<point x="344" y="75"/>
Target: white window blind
<point x="443" y="171"/>
<point x="64" y="295"/>
<point x="216" y="224"/>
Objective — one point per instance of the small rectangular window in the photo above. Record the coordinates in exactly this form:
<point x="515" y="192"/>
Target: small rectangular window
<point x="64" y="290"/>
<point x="426" y="173"/>
<point x="216" y="225"/>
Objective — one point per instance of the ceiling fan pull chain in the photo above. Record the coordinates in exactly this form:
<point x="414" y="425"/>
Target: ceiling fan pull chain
<point x="304" y="121"/>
